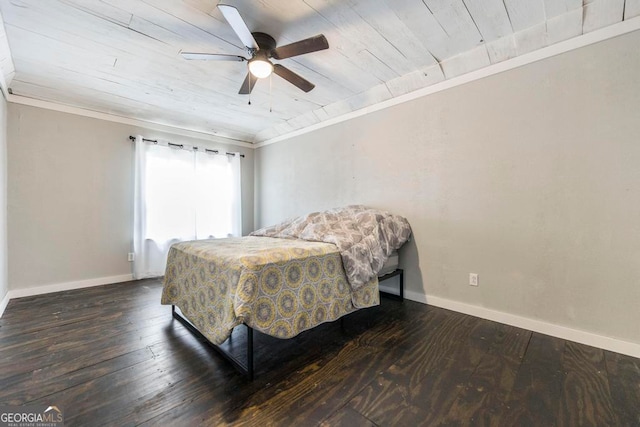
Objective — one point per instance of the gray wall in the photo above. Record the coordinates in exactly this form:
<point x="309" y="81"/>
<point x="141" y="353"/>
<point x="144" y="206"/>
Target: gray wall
<point x="4" y="284"/>
<point x="70" y="202"/>
<point x="530" y="178"/>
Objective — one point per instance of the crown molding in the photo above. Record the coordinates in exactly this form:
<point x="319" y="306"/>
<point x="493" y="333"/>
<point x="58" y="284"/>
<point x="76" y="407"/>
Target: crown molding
<point x="161" y="127"/>
<point x="6" y="61"/>
<point x="597" y="36"/>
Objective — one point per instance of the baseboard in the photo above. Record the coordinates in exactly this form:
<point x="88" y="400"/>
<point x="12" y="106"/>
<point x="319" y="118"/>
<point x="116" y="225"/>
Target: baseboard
<point x="67" y="286"/>
<point x="4" y="303"/>
<point x="582" y="337"/>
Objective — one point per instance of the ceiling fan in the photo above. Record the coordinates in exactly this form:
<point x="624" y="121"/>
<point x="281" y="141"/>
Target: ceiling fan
<point x="261" y="47"/>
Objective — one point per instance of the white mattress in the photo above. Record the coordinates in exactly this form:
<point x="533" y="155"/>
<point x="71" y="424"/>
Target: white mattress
<point x="390" y="265"/>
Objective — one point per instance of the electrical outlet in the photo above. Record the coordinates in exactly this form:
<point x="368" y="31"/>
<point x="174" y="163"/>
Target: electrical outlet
<point x="473" y="279"/>
<point x="130" y="257"/>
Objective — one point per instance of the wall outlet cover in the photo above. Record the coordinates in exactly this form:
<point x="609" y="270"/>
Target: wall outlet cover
<point x="474" y="280"/>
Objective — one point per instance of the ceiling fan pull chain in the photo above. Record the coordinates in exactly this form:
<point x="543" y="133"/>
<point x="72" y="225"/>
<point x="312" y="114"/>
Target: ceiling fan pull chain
<point x="249" y="75"/>
<point x="270" y="97"/>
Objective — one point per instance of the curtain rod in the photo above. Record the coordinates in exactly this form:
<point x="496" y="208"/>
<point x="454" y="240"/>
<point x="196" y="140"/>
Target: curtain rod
<point x="155" y="141"/>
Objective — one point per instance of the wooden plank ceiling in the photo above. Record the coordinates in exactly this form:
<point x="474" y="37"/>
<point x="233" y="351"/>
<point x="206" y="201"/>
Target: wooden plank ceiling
<point x="122" y="56"/>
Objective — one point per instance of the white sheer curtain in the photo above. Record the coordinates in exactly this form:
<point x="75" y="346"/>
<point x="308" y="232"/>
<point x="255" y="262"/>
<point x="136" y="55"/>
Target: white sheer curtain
<point x="181" y="194"/>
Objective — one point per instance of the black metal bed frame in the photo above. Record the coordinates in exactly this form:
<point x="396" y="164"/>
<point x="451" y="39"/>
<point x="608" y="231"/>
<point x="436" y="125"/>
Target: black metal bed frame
<point x="396" y="272"/>
<point x="247" y="369"/>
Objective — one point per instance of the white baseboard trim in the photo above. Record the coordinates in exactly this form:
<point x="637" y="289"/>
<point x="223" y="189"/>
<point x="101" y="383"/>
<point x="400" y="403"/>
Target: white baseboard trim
<point x="582" y="337"/>
<point x="4" y="303"/>
<point x="58" y="287"/>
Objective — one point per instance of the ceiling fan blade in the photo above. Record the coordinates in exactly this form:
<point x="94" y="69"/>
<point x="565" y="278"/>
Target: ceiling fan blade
<point x="211" y="57"/>
<point x="248" y="84"/>
<point x="234" y="19"/>
<point x="312" y="44"/>
<point x="293" y="78"/>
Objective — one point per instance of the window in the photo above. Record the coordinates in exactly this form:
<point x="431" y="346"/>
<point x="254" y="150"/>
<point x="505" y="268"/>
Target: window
<point x="181" y="194"/>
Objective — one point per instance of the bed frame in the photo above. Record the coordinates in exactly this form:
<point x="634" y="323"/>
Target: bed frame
<point x="247" y="368"/>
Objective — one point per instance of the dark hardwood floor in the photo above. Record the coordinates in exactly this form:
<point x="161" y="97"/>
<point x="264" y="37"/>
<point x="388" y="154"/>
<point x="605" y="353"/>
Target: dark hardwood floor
<point x="112" y="355"/>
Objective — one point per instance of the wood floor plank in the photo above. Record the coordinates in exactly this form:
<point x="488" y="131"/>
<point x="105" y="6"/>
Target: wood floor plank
<point x="324" y="391"/>
<point x="33" y="387"/>
<point x="440" y="388"/>
<point x="60" y="372"/>
<point x="207" y="403"/>
<point x="37" y="343"/>
<point x="389" y="399"/>
<point x="535" y="398"/>
<point x="434" y="345"/>
<point x="481" y="402"/>
<point x="586" y="399"/>
<point x="424" y="383"/>
<point x="310" y="395"/>
<point x="72" y="310"/>
<point x="82" y="353"/>
<point x="126" y="387"/>
<point x="115" y="353"/>
<point x="624" y="381"/>
<point x="190" y="399"/>
<point x="347" y="417"/>
<point x="87" y="297"/>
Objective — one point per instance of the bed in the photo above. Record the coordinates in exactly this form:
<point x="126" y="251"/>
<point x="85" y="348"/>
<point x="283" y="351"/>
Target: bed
<point x="285" y="279"/>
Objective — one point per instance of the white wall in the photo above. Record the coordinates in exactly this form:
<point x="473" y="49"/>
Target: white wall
<point x="530" y="178"/>
<point x="70" y="203"/>
<point x="4" y="284"/>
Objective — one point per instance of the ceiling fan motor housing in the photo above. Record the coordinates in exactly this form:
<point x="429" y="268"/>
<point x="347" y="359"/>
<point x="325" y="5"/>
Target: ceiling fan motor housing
<point x="265" y="42"/>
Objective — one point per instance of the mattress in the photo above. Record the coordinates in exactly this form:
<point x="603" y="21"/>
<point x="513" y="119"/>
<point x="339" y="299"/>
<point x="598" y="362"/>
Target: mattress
<point x="390" y="265"/>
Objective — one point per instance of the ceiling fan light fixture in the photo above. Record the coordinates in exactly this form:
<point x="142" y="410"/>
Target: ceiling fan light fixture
<point x="260" y="67"/>
<point x="261" y="47"/>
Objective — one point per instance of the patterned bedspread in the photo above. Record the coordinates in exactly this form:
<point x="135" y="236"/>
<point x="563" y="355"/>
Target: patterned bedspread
<point x="365" y="236"/>
<point x="280" y="287"/>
